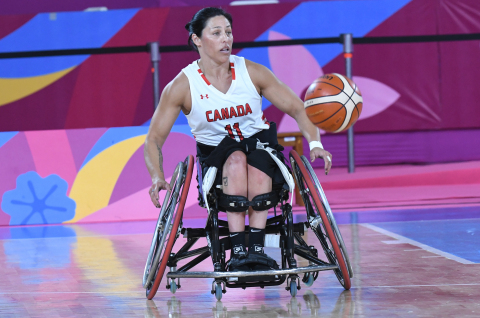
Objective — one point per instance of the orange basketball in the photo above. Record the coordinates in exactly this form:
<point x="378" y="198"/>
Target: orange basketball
<point x="333" y="102"/>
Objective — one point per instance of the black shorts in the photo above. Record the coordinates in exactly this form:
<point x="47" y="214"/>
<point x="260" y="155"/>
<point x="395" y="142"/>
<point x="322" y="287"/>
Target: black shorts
<point x="257" y="158"/>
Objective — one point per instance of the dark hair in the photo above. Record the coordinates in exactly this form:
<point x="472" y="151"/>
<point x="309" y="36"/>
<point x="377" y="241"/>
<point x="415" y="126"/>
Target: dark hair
<point x="199" y="20"/>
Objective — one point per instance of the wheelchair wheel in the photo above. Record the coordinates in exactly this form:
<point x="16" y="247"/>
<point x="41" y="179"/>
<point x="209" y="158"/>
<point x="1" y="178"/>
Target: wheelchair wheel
<point x="329" y="213"/>
<point x="167" y="225"/>
<point x="315" y="212"/>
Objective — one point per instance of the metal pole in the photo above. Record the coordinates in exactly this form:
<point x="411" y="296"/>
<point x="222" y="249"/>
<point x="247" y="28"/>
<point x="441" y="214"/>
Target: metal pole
<point x="347" y="53"/>
<point x="155" y="58"/>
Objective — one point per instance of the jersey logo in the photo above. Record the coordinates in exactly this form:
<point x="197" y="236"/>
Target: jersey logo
<point x="228" y="112"/>
<point x="206" y="96"/>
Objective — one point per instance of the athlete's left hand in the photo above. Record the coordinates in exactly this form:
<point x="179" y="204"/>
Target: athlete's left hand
<point x="322" y="153"/>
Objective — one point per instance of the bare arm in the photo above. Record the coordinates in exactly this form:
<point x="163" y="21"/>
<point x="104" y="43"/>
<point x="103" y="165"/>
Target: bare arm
<point x="287" y="101"/>
<point x="173" y="99"/>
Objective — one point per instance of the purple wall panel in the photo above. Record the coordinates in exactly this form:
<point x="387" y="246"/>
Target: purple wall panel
<point x="403" y="147"/>
<point x="34" y="112"/>
<point x="460" y="64"/>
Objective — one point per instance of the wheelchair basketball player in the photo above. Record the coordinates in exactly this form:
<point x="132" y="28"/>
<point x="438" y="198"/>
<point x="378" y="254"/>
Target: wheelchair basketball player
<point x="221" y="96"/>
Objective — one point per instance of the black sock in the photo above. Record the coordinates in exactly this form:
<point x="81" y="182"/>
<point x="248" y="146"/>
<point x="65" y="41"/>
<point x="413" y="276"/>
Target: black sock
<point x="256" y="240"/>
<point x="238" y="243"/>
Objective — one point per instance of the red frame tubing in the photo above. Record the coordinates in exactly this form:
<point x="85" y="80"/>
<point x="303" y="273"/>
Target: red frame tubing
<point x="323" y="215"/>
<point x="173" y="233"/>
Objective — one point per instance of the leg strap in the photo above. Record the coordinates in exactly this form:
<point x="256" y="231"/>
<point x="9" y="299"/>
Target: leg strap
<point x="239" y="203"/>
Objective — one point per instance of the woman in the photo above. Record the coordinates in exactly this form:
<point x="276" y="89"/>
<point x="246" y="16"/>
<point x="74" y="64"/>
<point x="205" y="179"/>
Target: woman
<point x="221" y="96"/>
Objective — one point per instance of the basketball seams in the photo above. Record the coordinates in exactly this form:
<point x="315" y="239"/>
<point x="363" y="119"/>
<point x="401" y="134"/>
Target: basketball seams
<point x="325" y="99"/>
<point x="346" y="85"/>
<point x="340" y="89"/>
<point x="348" y="116"/>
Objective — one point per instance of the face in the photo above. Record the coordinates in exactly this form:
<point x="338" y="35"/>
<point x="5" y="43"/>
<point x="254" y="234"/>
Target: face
<point x="216" y="40"/>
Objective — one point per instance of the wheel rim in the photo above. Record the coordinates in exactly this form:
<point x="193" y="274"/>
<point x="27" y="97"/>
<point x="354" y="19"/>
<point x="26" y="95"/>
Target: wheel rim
<point x="163" y="227"/>
<point x="323" y="231"/>
<point x="328" y="212"/>
<point x="173" y="234"/>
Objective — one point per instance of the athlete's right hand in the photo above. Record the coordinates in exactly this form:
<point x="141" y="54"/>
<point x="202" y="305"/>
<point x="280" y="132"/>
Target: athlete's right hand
<point x="155" y="189"/>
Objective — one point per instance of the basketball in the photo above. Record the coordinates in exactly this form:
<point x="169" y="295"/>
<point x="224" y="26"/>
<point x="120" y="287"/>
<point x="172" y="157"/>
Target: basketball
<point x="333" y="102"/>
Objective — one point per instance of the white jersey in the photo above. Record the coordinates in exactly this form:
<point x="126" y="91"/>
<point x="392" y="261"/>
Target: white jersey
<point x="214" y="115"/>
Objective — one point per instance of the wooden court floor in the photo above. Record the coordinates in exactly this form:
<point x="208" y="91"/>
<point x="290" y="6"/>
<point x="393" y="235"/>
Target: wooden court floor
<point x="402" y="269"/>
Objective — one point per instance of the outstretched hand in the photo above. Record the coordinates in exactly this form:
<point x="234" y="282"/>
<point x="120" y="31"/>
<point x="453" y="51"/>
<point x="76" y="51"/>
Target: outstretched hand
<point x="155" y="189"/>
<point x="318" y="152"/>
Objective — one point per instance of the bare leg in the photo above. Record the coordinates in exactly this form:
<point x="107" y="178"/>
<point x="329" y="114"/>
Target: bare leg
<point x="258" y="183"/>
<point x="234" y="182"/>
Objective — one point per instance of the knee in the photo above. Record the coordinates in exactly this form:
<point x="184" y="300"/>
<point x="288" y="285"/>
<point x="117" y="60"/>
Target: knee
<point x="236" y="163"/>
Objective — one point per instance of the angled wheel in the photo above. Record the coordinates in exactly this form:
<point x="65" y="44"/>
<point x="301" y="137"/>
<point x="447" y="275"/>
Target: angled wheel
<point x="318" y="218"/>
<point x="167" y="225"/>
<point x="329" y="213"/>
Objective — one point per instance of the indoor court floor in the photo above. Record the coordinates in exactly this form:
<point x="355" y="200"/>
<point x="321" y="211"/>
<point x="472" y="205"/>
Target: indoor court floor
<point x="408" y="261"/>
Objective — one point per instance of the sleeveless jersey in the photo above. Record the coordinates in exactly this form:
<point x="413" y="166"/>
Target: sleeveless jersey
<point x="214" y="115"/>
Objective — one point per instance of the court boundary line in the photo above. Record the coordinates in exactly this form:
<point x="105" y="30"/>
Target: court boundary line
<point x="427" y="248"/>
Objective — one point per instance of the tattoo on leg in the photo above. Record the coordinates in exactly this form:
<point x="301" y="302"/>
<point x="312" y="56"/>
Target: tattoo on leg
<point x="160" y="158"/>
<point x="225" y="181"/>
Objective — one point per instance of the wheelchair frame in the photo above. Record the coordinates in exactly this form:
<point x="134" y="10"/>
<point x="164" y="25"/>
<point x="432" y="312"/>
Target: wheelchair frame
<point x="319" y="219"/>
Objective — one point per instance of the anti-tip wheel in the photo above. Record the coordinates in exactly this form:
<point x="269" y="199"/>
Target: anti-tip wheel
<point x="293" y="288"/>
<point x="173" y="287"/>
<point x="309" y="279"/>
<point x="218" y="291"/>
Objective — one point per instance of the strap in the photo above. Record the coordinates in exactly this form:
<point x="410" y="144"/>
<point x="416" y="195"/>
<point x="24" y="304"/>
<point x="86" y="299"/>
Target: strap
<point x="286" y="174"/>
<point x="239" y="203"/>
<point x="207" y="184"/>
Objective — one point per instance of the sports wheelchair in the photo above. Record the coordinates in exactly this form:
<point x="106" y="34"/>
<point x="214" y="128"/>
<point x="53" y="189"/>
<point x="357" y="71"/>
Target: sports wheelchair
<point x="281" y="232"/>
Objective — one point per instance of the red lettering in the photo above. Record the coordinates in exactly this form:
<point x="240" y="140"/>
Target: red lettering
<point x="248" y="110"/>
<point x="240" y="110"/>
<point x="225" y="114"/>
<point x="217" y="115"/>
<point x="233" y="112"/>
<point x="209" y="113"/>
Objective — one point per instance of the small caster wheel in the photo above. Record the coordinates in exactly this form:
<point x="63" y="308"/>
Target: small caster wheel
<point x="293" y="288"/>
<point x="308" y="279"/>
<point x="173" y="287"/>
<point x="218" y="291"/>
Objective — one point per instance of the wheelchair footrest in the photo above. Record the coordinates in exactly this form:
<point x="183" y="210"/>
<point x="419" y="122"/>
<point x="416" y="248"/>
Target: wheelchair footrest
<point x="273" y="272"/>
